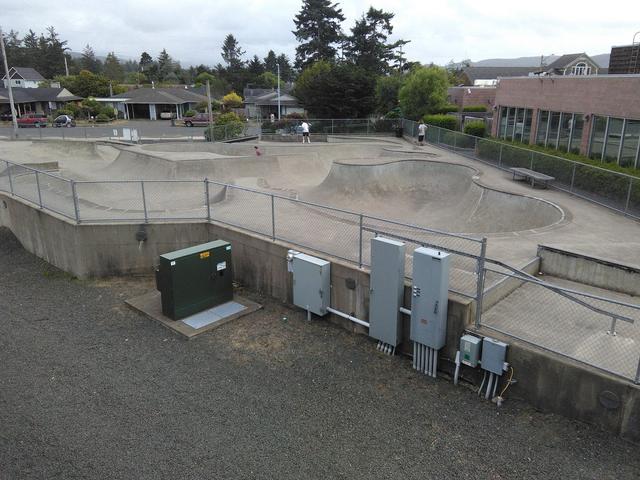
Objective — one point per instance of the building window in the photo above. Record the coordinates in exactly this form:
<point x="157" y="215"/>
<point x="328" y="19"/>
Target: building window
<point x="581" y="69"/>
<point x="566" y="121"/>
<point x="614" y="139"/>
<point x="503" y="122"/>
<point x="543" y="124"/>
<point x="576" y="133"/>
<point x="630" y="141"/>
<point x="554" y="124"/>
<point x="526" y="131"/>
<point x="597" y="137"/>
<point x="511" y="122"/>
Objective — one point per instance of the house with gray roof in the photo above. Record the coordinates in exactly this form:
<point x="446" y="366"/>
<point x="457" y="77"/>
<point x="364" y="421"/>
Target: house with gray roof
<point x="22" y="77"/>
<point x="574" y="64"/>
<point x="262" y="102"/>
<point x="155" y="103"/>
<point x="36" y="100"/>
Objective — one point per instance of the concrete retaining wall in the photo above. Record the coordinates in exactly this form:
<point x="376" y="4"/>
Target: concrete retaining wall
<point x="548" y="381"/>
<point x="589" y="270"/>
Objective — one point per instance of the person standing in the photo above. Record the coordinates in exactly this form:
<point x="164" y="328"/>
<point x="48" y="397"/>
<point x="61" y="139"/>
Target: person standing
<point x="305" y="132"/>
<point x="422" y="130"/>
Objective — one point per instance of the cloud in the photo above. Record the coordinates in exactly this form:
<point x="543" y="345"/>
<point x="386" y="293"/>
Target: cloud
<point x="193" y="31"/>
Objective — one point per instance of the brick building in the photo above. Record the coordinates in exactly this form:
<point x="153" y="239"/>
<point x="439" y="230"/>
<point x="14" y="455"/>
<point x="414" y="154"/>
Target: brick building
<point x="595" y="115"/>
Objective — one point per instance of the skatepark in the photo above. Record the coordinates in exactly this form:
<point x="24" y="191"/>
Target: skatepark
<point x="332" y="198"/>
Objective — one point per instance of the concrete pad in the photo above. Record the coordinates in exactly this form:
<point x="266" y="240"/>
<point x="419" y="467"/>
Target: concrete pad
<point x="150" y="305"/>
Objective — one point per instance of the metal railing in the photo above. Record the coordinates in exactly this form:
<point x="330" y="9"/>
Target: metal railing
<point x="615" y="190"/>
<point x="602" y="332"/>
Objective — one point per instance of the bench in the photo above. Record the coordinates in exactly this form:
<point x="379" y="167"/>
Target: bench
<point x="531" y="176"/>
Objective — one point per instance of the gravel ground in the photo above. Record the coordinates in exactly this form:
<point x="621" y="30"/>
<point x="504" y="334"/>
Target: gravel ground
<point x="90" y="389"/>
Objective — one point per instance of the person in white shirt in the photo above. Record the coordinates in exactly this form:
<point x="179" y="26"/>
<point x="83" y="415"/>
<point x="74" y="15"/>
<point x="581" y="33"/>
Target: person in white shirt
<point x="305" y="132"/>
<point x="422" y="129"/>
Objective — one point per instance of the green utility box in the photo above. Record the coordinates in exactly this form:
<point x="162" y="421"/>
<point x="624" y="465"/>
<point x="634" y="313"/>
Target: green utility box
<point x="195" y="279"/>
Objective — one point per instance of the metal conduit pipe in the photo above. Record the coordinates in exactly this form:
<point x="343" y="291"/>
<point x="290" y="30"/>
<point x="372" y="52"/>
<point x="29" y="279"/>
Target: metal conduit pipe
<point x="435" y="363"/>
<point x="486" y="395"/>
<point x="457" y="373"/>
<point x="348" y="317"/>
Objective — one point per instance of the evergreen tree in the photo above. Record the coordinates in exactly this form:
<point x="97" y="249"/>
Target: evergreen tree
<point x="367" y="45"/>
<point x="255" y="66"/>
<point x="88" y="61"/>
<point x="51" y="61"/>
<point x="112" y="68"/>
<point x="286" y="69"/>
<point x="270" y="62"/>
<point x="231" y="51"/>
<point x="318" y="31"/>
<point x="165" y="67"/>
<point x="145" y="61"/>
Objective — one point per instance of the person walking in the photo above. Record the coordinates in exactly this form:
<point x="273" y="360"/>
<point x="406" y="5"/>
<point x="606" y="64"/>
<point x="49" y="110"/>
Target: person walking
<point x="305" y="132"/>
<point x="422" y="130"/>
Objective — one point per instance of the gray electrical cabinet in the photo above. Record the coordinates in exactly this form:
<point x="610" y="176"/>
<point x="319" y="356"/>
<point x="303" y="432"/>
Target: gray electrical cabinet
<point x="311" y="283"/>
<point x="470" y="350"/>
<point x="429" y="297"/>
<point x="494" y="354"/>
<point x="386" y="290"/>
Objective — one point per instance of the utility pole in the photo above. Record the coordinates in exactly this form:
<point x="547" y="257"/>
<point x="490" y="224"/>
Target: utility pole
<point x="9" y="88"/>
<point x="278" y="65"/>
<point x="66" y="66"/>
<point x="209" y="109"/>
<point x="110" y="88"/>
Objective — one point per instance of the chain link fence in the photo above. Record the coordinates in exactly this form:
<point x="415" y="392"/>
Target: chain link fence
<point x="614" y="190"/>
<point x="331" y="126"/>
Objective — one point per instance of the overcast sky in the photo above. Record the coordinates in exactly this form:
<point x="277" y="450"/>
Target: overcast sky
<point x="192" y="31"/>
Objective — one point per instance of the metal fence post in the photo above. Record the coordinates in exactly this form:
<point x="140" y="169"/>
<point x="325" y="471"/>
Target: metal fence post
<point x="208" y="203"/>
<point x="455" y="140"/>
<point x="368" y="126"/>
<point x="573" y="177"/>
<point x="62" y="133"/>
<point x="273" y="218"/>
<point x="531" y="162"/>
<point x="360" y="242"/>
<point x="39" y="191"/>
<point x="480" y="282"/>
<point x="74" y="194"/>
<point x="10" y="179"/>
<point x="40" y="132"/>
<point x="500" y="155"/>
<point x="439" y="132"/>
<point x="475" y="146"/>
<point x="332" y="126"/>
<point x="626" y="206"/>
<point x="85" y="132"/>
<point x="144" y="202"/>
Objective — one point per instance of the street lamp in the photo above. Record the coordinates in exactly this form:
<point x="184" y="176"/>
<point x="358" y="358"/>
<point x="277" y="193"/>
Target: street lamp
<point x="11" y="104"/>
<point x="278" y="65"/>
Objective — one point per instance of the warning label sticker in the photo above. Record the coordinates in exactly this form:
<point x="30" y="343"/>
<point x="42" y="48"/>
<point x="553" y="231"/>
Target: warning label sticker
<point x="221" y="266"/>
<point x="205" y="254"/>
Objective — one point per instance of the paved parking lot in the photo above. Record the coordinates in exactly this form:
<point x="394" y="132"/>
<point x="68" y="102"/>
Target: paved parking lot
<point x="90" y="389"/>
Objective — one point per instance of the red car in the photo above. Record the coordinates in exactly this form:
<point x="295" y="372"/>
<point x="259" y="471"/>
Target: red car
<point x="32" y="120"/>
<point x="198" y="120"/>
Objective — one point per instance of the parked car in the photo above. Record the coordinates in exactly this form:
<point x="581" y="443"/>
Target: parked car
<point x="6" y="117"/>
<point x="33" y="120"/>
<point x="64" y="121"/>
<point x="198" y="120"/>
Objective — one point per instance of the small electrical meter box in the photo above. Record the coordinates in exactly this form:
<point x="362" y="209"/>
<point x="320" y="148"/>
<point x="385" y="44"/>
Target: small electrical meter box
<point x="429" y="297"/>
<point x="311" y="283"/>
<point x="194" y="279"/>
<point x="494" y="354"/>
<point x="470" y="350"/>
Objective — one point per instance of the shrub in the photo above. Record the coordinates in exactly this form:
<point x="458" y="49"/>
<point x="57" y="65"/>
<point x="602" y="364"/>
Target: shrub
<point x="450" y="122"/>
<point x="476" y="128"/>
<point x="296" y="116"/>
<point x="475" y="108"/>
<point x="447" y="108"/>
<point x="190" y="113"/>
<point x="232" y="100"/>
<point x="103" y="118"/>
<point x="227" y="125"/>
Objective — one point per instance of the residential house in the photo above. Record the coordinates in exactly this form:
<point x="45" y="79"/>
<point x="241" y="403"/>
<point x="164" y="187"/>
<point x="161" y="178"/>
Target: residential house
<point x="155" y="103"/>
<point x="574" y="64"/>
<point x="262" y="102"/>
<point x="22" y="77"/>
<point x="36" y="100"/>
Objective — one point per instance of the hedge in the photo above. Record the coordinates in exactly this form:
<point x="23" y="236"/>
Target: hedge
<point x="449" y="107"/>
<point x="475" y="108"/>
<point x="449" y="122"/>
<point x="476" y="128"/>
